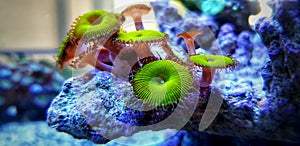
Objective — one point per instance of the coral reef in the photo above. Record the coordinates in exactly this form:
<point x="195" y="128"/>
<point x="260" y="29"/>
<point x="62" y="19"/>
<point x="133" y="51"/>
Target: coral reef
<point x="26" y="90"/>
<point x="248" y="102"/>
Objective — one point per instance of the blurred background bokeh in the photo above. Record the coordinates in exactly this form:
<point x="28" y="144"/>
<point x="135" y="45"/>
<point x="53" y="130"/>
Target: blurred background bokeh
<point x="41" y="24"/>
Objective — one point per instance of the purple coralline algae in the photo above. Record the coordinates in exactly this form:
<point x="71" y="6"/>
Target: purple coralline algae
<point x="280" y="34"/>
<point x="66" y="116"/>
<point x="227" y="39"/>
<point x="98" y="107"/>
<point x="26" y="90"/>
<point x="171" y="23"/>
<point x="96" y="104"/>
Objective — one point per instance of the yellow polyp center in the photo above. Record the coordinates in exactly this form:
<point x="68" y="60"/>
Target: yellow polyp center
<point x="159" y="80"/>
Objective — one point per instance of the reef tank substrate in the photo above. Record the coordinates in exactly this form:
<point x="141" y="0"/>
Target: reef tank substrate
<point x="204" y="76"/>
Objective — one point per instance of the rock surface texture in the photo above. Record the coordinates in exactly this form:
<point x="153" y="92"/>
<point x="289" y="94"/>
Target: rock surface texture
<point x="96" y="104"/>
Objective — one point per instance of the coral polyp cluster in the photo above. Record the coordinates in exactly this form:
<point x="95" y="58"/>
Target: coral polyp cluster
<point x="144" y="60"/>
<point x="96" y="39"/>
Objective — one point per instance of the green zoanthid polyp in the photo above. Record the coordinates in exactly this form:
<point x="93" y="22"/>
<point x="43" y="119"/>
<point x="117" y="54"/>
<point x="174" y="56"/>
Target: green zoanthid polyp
<point x="141" y="35"/>
<point x="212" y="61"/>
<point x="209" y="63"/>
<point x="162" y="83"/>
<point x="97" y="23"/>
<point x="92" y="27"/>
